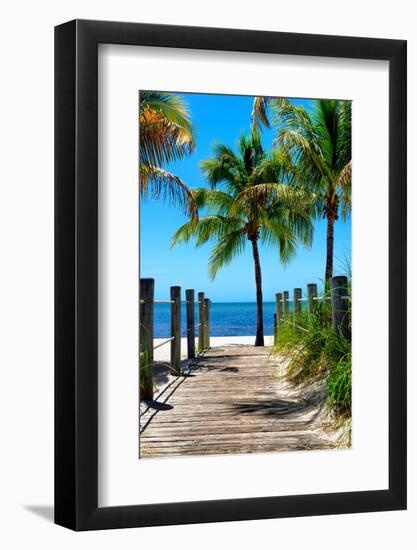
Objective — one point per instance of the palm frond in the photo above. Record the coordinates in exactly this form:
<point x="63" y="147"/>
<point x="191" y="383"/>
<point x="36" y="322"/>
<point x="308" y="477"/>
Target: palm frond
<point x="226" y="249"/>
<point x="172" y="107"/>
<point x="345" y="184"/>
<point x="166" y="131"/>
<point x="159" y="183"/>
<point x="305" y="152"/>
<point x="224" y="167"/>
<point x="212" y="199"/>
<point x="285" y="113"/>
<point x="276" y="195"/>
<point x="302" y="227"/>
<point x="277" y="233"/>
<point x="345" y="177"/>
<point x="298" y="220"/>
<point x="326" y="123"/>
<point x="260" y="112"/>
<point x="162" y="141"/>
<point x="206" y="228"/>
<point x="277" y="167"/>
<point x="344" y="145"/>
<point x="250" y="150"/>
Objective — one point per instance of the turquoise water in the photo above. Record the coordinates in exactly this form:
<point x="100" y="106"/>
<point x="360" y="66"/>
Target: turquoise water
<point x="226" y="319"/>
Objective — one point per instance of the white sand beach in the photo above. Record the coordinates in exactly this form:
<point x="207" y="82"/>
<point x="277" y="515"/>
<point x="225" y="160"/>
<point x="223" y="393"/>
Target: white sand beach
<point x="163" y="353"/>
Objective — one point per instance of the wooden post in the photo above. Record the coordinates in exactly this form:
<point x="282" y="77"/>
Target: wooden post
<point x="286" y="297"/>
<point x="275" y="328"/>
<point x="340" y="306"/>
<point x="146" y="315"/>
<point x="279" y="307"/>
<point x="311" y="295"/>
<point x="201" y="321"/>
<point x="207" y="323"/>
<point x="189" y="296"/>
<point x="297" y="304"/>
<point x="175" y="329"/>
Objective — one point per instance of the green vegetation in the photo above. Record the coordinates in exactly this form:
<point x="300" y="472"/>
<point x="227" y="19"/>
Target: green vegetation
<point x="320" y="147"/>
<point x="166" y="134"/>
<point x="249" y="206"/>
<point x="312" y="348"/>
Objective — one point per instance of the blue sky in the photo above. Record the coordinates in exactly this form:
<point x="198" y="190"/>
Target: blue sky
<point x="222" y="118"/>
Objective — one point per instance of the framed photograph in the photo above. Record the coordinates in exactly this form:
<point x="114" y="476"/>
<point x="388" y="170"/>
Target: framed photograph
<point x="230" y="252"/>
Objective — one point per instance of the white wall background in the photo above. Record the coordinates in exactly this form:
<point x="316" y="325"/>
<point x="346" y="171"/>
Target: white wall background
<point x="26" y="272"/>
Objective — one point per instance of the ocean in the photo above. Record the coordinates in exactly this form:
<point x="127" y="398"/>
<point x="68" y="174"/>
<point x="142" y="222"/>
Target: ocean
<point x="226" y="319"/>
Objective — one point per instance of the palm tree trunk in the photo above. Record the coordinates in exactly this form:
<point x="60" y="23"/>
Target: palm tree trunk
<point x="330" y="247"/>
<point x="259" y="340"/>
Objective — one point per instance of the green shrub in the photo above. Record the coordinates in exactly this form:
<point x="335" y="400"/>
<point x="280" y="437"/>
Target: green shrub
<point x="312" y="348"/>
<point x="339" y="386"/>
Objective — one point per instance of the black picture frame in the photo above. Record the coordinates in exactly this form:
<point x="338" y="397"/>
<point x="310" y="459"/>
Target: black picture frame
<point x="76" y="272"/>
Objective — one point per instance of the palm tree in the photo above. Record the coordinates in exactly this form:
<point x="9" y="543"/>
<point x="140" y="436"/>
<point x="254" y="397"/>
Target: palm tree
<point x="320" y="144"/>
<point x="249" y="206"/>
<point x="166" y="134"/>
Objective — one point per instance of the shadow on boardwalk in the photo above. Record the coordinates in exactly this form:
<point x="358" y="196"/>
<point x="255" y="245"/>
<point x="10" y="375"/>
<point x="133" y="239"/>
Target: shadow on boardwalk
<point x="232" y="399"/>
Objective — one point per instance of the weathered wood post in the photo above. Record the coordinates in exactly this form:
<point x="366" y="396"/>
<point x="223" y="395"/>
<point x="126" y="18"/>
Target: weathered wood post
<point x="297" y="305"/>
<point x="340" y="306"/>
<point x="175" y="329"/>
<point x="278" y="314"/>
<point x="275" y="328"/>
<point x="189" y="297"/>
<point x="280" y="309"/>
<point x="146" y="315"/>
<point x="201" y="321"/>
<point x="207" y="323"/>
<point x="311" y="295"/>
<point x="286" y="311"/>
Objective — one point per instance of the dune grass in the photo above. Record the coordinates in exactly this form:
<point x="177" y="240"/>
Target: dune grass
<point x="313" y="348"/>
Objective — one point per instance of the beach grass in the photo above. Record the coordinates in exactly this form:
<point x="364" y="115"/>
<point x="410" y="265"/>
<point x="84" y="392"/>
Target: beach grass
<point x="312" y="348"/>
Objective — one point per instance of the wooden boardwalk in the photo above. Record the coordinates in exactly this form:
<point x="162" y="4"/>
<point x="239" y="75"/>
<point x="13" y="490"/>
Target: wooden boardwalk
<point x="231" y="400"/>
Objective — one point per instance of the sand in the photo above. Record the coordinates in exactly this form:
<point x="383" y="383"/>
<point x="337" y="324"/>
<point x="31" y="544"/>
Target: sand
<point x="163" y="353"/>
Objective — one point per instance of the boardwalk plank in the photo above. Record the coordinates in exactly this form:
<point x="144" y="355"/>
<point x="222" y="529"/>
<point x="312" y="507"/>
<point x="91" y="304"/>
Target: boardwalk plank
<point x="234" y="400"/>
